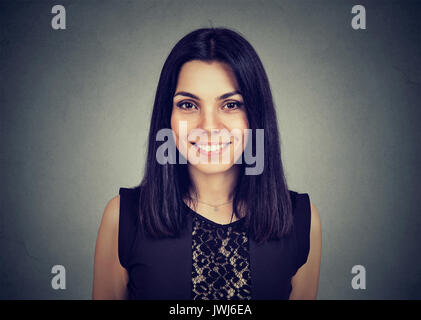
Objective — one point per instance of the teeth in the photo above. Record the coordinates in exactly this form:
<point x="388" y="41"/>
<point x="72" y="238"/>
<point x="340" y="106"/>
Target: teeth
<point x="212" y="148"/>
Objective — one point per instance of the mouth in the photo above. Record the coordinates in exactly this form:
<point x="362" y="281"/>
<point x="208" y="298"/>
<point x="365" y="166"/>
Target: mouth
<point x="210" y="149"/>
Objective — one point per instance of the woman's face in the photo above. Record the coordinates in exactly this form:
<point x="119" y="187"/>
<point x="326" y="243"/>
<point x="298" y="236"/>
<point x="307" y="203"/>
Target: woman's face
<point x="208" y="116"/>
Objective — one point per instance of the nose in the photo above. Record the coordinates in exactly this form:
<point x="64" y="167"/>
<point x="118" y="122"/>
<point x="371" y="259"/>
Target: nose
<point x="211" y="122"/>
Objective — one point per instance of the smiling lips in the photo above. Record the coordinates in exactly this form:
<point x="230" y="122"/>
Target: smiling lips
<point x="211" y="148"/>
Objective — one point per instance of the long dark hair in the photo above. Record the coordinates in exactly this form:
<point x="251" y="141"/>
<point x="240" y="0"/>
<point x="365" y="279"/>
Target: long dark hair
<point x="264" y="199"/>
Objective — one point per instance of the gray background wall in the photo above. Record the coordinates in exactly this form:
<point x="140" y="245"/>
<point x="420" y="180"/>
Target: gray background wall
<point x="76" y="106"/>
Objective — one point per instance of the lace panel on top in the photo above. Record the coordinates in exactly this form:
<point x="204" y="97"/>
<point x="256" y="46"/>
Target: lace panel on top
<point x="220" y="260"/>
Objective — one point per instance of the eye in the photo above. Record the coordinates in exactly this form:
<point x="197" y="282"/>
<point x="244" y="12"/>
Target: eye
<point x="186" y="105"/>
<point x="233" y="105"/>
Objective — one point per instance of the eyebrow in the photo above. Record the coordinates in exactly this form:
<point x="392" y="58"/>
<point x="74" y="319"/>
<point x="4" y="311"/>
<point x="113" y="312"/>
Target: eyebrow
<point x="224" y="96"/>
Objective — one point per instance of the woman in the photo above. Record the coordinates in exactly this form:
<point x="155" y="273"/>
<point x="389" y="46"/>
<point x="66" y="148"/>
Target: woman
<point x="197" y="229"/>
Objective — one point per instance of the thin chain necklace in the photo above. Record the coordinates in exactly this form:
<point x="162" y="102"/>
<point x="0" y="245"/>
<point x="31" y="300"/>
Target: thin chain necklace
<point x="215" y="208"/>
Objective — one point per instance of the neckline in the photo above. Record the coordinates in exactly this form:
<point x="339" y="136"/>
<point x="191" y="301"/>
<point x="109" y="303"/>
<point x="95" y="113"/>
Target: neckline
<point x="211" y="221"/>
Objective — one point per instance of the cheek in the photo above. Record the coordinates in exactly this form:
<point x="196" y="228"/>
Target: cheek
<point x="180" y="127"/>
<point x="240" y="125"/>
<point x="240" y="121"/>
<point x="174" y="128"/>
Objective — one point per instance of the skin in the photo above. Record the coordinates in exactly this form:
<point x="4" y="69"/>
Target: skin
<point x="207" y="82"/>
<point x="213" y="181"/>
<point x="305" y="282"/>
<point x="110" y="277"/>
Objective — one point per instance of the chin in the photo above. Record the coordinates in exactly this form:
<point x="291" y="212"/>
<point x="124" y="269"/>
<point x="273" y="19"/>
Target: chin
<point x="210" y="168"/>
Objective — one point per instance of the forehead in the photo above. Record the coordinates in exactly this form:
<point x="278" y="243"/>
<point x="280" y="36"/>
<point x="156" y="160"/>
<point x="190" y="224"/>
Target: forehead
<point x="206" y="78"/>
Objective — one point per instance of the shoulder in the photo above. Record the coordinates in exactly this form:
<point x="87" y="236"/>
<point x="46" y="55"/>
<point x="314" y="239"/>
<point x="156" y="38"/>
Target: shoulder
<point x="111" y="213"/>
<point x="113" y="205"/>
<point x="109" y="226"/>
<point x="129" y="196"/>
<point x="305" y="281"/>
<point x="304" y="210"/>
<point x="316" y="224"/>
<point x="128" y="206"/>
<point x="108" y="229"/>
<point x="110" y="277"/>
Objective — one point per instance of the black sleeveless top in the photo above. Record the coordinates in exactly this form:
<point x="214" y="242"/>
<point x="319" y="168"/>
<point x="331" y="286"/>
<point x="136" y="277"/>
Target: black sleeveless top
<point x="209" y="260"/>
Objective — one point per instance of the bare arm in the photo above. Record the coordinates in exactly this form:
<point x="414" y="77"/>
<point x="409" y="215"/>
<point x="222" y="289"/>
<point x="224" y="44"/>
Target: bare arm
<point x="110" y="278"/>
<point x="306" y="281"/>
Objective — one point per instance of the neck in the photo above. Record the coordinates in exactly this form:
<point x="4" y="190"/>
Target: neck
<point x="214" y="188"/>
